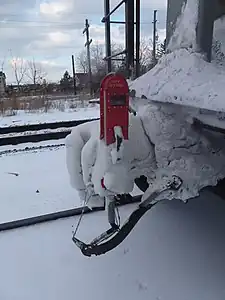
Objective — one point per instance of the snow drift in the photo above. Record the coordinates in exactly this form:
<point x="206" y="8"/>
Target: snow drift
<point x="162" y="143"/>
<point x="198" y="157"/>
<point x="89" y="159"/>
<point x="183" y="76"/>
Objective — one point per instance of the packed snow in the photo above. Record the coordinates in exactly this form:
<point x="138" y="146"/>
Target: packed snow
<point x="162" y="132"/>
<point x="197" y="157"/>
<point x="89" y="160"/>
<point x="161" y="143"/>
<point x="176" y="252"/>
<point x="183" y="76"/>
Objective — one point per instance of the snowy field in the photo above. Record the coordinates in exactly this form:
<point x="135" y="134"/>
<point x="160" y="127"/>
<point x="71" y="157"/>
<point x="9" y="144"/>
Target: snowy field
<point x="24" y="118"/>
<point x="44" y="171"/>
<point x="176" y="252"/>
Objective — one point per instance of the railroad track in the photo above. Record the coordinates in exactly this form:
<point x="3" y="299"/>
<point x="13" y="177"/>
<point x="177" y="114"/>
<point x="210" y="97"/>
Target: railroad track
<point x="38" y="137"/>
<point x="31" y="149"/>
<point x="37" y="127"/>
<point x="59" y="215"/>
<point x="33" y="138"/>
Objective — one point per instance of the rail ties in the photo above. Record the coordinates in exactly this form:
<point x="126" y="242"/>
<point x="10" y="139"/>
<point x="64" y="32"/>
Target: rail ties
<point x="36" y="127"/>
<point x="33" y="138"/>
<point x="38" y="137"/>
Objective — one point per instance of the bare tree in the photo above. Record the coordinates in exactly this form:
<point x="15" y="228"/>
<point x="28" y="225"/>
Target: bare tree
<point x="82" y="61"/>
<point x="35" y="72"/>
<point x="146" y="54"/>
<point x="3" y="64"/>
<point x="119" y="61"/>
<point x="19" y="69"/>
<point x="161" y="50"/>
<point x="97" y="58"/>
<point x="98" y="63"/>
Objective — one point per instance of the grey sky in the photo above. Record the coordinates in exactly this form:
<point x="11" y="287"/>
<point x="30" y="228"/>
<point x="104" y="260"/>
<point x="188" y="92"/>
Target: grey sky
<point x="50" y="31"/>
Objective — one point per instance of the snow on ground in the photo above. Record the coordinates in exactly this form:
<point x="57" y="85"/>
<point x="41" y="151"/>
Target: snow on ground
<point x="176" y="252"/>
<point x="43" y="171"/>
<point x="23" y="173"/>
<point x="24" y="118"/>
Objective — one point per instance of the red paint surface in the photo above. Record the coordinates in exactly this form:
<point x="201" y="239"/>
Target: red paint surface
<point x="114" y="88"/>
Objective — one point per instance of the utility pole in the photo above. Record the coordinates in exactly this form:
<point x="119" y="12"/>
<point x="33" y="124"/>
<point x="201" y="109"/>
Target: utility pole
<point x="107" y="35"/>
<point x="87" y="44"/>
<point x="154" y="37"/>
<point x="129" y="24"/>
<point x="137" y="38"/>
<point x="74" y="76"/>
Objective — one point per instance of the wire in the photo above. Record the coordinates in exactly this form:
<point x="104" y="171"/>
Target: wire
<point x="51" y="22"/>
<point x="22" y="15"/>
<point x="26" y="24"/>
<point x="39" y="26"/>
<point x="39" y="22"/>
<point x="85" y="202"/>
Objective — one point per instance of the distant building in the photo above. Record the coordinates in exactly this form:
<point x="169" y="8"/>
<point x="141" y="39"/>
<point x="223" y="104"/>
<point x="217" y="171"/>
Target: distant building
<point x="2" y="83"/>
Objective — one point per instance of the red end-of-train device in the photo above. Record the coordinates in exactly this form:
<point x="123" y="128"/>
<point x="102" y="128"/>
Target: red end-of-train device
<point x="114" y="107"/>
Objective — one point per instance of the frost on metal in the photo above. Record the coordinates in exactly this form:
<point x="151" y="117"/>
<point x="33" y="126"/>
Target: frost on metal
<point x="197" y="157"/>
<point x="184" y="35"/>
<point x="162" y="141"/>
<point x="184" y="77"/>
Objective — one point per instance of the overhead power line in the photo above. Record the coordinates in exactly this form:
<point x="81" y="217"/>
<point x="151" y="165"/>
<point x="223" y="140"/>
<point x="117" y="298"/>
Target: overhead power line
<point x="22" y="15"/>
<point x="3" y="21"/>
<point x="38" y="21"/>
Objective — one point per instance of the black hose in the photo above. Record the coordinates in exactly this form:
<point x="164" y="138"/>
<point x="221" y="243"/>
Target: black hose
<point x="89" y="250"/>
